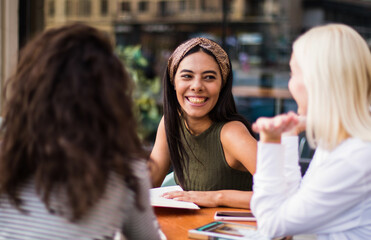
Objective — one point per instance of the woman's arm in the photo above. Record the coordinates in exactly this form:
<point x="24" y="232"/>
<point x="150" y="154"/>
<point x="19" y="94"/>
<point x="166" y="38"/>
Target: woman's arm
<point x="329" y="199"/>
<point x="239" y="146"/>
<point x="160" y="156"/>
<point x="226" y="198"/>
<point x="292" y="171"/>
<point x="285" y="128"/>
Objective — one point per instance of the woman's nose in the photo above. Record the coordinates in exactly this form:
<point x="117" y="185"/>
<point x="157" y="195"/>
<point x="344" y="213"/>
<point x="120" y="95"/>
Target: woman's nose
<point x="197" y="84"/>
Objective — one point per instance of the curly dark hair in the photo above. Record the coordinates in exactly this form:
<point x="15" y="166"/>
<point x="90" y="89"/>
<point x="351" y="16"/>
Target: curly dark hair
<point x="68" y="119"/>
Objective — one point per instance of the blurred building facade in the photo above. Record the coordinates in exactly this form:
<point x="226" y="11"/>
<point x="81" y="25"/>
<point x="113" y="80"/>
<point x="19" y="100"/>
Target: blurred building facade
<point x="257" y="34"/>
<point x="356" y="13"/>
<point x="248" y="29"/>
<point x="101" y="14"/>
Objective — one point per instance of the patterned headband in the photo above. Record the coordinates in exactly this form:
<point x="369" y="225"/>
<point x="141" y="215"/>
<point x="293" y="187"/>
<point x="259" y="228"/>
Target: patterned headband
<point x="218" y="52"/>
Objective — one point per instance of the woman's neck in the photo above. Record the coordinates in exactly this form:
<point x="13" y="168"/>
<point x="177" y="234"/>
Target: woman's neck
<point x="343" y="135"/>
<point x="197" y="126"/>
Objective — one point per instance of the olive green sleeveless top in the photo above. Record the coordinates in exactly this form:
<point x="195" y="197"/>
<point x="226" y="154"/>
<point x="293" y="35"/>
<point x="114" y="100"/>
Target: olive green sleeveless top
<point x="210" y="171"/>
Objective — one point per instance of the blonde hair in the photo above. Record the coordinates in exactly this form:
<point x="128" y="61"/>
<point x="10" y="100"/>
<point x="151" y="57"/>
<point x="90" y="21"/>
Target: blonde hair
<point x="336" y="65"/>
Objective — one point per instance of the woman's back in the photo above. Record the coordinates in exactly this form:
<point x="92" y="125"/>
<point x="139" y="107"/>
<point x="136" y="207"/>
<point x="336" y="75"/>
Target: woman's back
<point x="345" y="175"/>
<point x="115" y="211"/>
<point x="336" y="187"/>
<point x="70" y="155"/>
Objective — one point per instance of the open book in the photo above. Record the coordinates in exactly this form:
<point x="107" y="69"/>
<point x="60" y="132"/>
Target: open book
<point x="158" y="201"/>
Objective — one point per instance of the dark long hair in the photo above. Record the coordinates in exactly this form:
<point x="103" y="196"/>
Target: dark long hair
<point x="68" y="120"/>
<point x="224" y="111"/>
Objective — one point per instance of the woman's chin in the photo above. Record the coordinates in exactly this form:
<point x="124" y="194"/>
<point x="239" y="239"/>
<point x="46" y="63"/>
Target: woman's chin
<point x="302" y="112"/>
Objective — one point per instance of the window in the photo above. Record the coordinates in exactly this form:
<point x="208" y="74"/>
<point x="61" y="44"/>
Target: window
<point x="68" y="8"/>
<point x="203" y="5"/>
<point x="143" y="6"/>
<point x="85" y="7"/>
<point x="182" y="5"/>
<point x="125" y="7"/>
<point x="51" y="8"/>
<point x="168" y="8"/>
<point x="192" y="5"/>
<point x="208" y="5"/>
<point x="162" y="7"/>
<point x="104" y="7"/>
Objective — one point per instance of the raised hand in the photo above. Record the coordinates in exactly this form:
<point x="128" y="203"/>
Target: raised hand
<point x="271" y="129"/>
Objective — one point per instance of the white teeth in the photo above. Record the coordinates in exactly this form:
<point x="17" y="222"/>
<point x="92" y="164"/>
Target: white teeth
<point x="196" y="100"/>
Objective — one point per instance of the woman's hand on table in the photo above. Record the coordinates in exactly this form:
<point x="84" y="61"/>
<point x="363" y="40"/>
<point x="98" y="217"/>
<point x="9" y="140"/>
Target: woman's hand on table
<point x="201" y="198"/>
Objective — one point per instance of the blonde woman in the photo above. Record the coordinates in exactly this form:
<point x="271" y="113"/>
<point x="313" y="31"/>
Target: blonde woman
<point x="331" y="83"/>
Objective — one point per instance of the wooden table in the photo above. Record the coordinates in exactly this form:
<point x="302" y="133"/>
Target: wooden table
<point x="279" y="94"/>
<point x="175" y="223"/>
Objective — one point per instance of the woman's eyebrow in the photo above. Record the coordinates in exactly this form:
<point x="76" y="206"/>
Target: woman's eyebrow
<point x="210" y="71"/>
<point x="186" y="70"/>
<point x="205" y="72"/>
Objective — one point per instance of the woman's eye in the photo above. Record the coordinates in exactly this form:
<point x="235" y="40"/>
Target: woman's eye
<point x="210" y="77"/>
<point x="186" y="76"/>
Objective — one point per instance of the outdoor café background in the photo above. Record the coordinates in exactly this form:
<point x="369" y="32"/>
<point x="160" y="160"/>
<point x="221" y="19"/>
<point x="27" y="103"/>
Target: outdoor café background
<point x="257" y="34"/>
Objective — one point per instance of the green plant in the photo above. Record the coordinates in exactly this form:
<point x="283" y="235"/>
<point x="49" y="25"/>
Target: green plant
<point x="146" y="92"/>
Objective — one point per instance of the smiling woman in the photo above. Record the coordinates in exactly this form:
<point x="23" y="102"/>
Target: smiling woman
<point x="197" y="133"/>
<point x="197" y="84"/>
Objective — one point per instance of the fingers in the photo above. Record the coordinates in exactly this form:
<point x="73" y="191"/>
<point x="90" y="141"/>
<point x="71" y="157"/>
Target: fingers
<point x="201" y="198"/>
<point x="271" y="129"/>
<point x="178" y="196"/>
<point x="267" y="124"/>
<point x="172" y="195"/>
<point x="263" y="124"/>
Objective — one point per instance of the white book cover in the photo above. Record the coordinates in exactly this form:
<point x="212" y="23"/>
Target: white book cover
<point x="158" y="201"/>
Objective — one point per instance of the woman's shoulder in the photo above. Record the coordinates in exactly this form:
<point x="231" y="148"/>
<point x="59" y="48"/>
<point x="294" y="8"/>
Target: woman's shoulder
<point x="352" y="152"/>
<point x="354" y="145"/>
<point x="234" y="127"/>
<point x="234" y="130"/>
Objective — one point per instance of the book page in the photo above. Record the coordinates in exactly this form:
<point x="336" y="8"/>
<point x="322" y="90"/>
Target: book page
<point x="158" y="201"/>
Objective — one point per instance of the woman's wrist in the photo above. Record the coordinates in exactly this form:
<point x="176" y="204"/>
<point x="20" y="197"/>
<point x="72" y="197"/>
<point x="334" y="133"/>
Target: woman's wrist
<point x="290" y="133"/>
<point x="266" y="138"/>
<point x="219" y="198"/>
